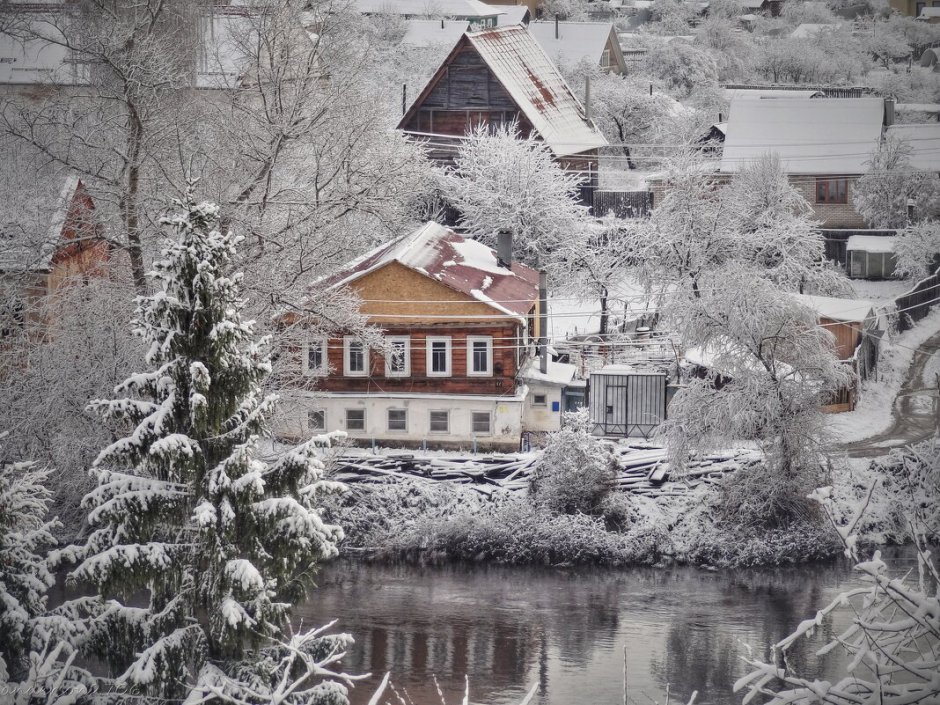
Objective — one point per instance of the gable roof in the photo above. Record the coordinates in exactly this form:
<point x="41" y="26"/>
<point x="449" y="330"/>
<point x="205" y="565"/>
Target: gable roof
<point x="27" y="252"/>
<point x="459" y="263"/>
<point x="924" y="141"/>
<point x="576" y="41"/>
<point x="514" y="14"/>
<point x="837" y="309"/>
<point x="819" y="136"/>
<point x="427" y="33"/>
<point x="426" y="8"/>
<point x="533" y="82"/>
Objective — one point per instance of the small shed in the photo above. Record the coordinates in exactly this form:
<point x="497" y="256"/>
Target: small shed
<point x="870" y="257"/>
<point x="626" y="402"/>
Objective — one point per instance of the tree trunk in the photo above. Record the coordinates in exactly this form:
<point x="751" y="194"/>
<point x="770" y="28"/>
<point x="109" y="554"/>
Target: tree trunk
<point x="129" y="200"/>
<point x="605" y="314"/>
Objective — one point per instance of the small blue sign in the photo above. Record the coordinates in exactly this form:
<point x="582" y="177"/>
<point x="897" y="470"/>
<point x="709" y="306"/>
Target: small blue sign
<point x="556" y="405"/>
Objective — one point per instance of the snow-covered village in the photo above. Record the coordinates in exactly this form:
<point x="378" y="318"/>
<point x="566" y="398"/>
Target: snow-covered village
<point x="451" y="352"/>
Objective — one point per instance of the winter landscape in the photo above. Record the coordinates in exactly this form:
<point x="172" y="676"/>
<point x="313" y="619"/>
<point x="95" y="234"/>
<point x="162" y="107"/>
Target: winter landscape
<point x="441" y="352"/>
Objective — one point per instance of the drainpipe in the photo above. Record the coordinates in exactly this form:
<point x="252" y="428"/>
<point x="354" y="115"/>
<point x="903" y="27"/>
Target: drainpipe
<point x="587" y="97"/>
<point x="543" y="321"/>
<point x="404" y="98"/>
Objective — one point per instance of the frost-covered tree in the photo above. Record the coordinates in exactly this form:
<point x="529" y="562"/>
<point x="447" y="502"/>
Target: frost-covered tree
<point x="916" y="249"/>
<point x="504" y="182"/>
<point x="219" y="543"/>
<point x="882" y="194"/>
<point x="767" y="367"/>
<point x="682" y="67"/>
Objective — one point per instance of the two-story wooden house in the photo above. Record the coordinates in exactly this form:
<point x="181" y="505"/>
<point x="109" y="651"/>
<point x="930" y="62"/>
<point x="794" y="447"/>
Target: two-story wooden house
<point x="499" y="76"/>
<point x="457" y="322"/>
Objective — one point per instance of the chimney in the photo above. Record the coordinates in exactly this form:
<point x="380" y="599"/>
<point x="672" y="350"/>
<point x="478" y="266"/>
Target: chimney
<point x="504" y="249"/>
<point x="556" y="26"/>
<point x="719" y="116"/>
<point x="543" y="322"/>
<point x="442" y="23"/>
<point x="889" y="111"/>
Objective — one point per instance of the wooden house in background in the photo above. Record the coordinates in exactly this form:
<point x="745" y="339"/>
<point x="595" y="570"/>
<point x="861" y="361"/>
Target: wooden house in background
<point x="457" y="322"/>
<point x="571" y="43"/>
<point x="496" y="77"/>
<point x="67" y="247"/>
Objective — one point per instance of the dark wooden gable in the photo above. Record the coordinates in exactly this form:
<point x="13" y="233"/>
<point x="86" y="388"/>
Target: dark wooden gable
<point x="461" y="95"/>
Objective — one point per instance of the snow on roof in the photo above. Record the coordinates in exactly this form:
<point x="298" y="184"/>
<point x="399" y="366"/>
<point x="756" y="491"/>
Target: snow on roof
<point x="576" y="41"/>
<point x="926" y="12"/>
<point x="427" y="33"/>
<point x="513" y="14"/>
<point x="527" y="73"/>
<point x="870" y="243"/>
<point x="620" y="369"/>
<point x="753" y="4"/>
<point x="808" y="30"/>
<point x="23" y="249"/>
<point x="924" y="140"/>
<point x="786" y="93"/>
<point x="459" y="263"/>
<point x="559" y="373"/>
<point x="423" y="8"/>
<point x="822" y="136"/>
<point x="836" y="309"/>
<point x="917" y="107"/>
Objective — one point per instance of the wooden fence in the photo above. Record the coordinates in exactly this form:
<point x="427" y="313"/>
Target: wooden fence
<point x="623" y="204"/>
<point x="913" y="305"/>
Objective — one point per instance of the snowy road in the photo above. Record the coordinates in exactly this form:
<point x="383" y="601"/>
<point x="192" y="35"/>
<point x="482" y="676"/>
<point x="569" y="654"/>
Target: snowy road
<point x="915" y="409"/>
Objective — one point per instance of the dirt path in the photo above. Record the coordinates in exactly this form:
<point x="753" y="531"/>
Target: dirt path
<point x="915" y="410"/>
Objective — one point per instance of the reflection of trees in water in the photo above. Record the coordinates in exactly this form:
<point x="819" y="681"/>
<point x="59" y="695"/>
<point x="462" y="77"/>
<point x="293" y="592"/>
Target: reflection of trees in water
<point x="697" y="657"/>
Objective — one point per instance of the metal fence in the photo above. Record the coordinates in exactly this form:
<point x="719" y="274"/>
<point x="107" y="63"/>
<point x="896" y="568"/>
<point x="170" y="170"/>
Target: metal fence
<point x="623" y="204"/>
<point x="828" y="91"/>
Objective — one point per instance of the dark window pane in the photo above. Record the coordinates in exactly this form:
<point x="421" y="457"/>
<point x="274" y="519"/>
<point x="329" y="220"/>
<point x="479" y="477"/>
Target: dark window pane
<point x="397" y="420"/>
<point x="439" y="421"/>
<point x="355" y="420"/>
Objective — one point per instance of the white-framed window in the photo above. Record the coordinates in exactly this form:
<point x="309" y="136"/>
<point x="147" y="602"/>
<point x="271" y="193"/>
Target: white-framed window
<point x="397" y="419"/>
<point x="439" y="422"/>
<point x="316" y="420"/>
<point x="398" y="357"/>
<point x="539" y="400"/>
<point x="355" y="357"/>
<point x="481" y="423"/>
<point x="439" y="356"/>
<point x="355" y="419"/>
<point x="479" y="355"/>
<point x="315" y="361"/>
<point x="605" y="58"/>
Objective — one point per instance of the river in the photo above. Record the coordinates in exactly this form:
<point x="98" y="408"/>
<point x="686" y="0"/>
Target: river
<point x="508" y="628"/>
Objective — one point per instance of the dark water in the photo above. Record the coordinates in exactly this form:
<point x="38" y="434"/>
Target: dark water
<point x="507" y="628"/>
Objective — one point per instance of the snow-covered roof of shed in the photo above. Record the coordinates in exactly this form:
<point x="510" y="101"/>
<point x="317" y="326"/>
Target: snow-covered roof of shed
<point x="785" y="93"/>
<point x="560" y="373"/>
<point x="870" y="243"/>
<point x="459" y="263"/>
<point x="427" y="33"/>
<point x="576" y="41"/>
<point x="513" y="14"/>
<point x="924" y="141"/>
<point x="837" y="309"/>
<point x="929" y="12"/>
<point x="423" y="8"/>
<point x="528" y="74"/>
<point x="821" y="136"/>
<point x="808" y="30"/>
<point x="26" y="249"/>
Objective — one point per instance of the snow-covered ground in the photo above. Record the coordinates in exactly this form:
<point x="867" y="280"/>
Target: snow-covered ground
<point x="875" y="409"/>
<point x="880" y="291"/>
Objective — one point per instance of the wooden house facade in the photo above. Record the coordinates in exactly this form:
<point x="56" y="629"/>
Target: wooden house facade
<point x="456" y="325"/>
<point x="496" y="77"/>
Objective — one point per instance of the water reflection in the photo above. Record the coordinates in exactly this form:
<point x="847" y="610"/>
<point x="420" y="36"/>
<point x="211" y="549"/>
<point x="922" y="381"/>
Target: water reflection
<point x="509" y="628"/>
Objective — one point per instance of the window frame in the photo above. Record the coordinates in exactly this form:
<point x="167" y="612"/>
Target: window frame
<point x="449" y="355"/>
<point x="388" y="357"/>
<point x="431" y="413"/>
<point x="348" y="342"/>
<point x="488" y="339"/>
<point x="824" y="186"/>
<point x="388" y="420"/>
<point x="322" y="413"/>
<point x="323" y="368"/>
<point x="346" y="419"/>
<point x="489" y="423"/>
<point x="536" y="402"/>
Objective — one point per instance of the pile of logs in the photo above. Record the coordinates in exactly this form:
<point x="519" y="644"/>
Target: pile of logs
<point x="642" y="469"/>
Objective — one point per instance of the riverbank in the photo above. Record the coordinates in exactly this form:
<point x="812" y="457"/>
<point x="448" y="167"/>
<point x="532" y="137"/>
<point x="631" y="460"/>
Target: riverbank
<point x="420" y="522"/>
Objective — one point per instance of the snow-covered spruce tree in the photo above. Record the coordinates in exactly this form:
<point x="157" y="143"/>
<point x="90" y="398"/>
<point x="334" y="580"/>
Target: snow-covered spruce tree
<point x="25" y="535"/>
<point x="218" y="541"/>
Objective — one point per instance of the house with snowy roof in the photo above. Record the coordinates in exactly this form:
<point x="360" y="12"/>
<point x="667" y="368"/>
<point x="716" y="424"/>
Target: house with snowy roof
<point x="501" y="76"/>
<point x="478" y="14"/>
<point x="459" y="322"/>
<point x="47" y="243"/>
<point x="571" y="43"/>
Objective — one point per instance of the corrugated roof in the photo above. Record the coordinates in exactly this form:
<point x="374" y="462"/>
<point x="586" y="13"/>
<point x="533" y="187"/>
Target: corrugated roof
<point x="426" y="33"/>
<point x="535" y="84"/>
<point x="26" y="251"/>
<point x="924" y="141"/>
<point x="423" y="8"/>
<point x="459" y="263"/>
<point x="576" y="41"/>
<point x="820" y="136"/>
